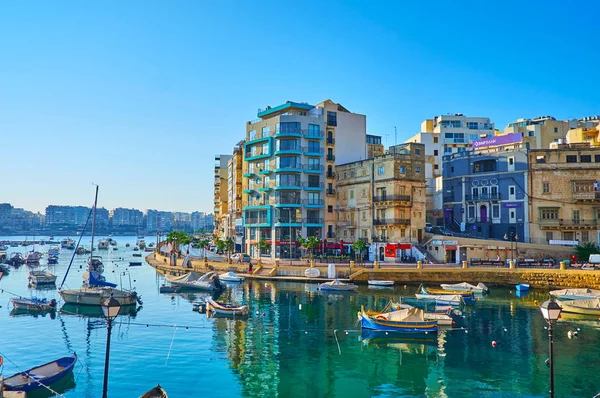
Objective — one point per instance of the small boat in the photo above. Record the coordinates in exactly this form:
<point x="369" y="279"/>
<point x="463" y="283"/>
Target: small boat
<point x="82" y="250"/>
<point x="112" y="242"/>
<point x="585" y="306"/>
<point x="575" y="294"/>
<point x="16" y="259"/>
<point x="231" y="277"/>
<point x="410" y="320"/>
<point x="480" y="288"/>
<point x="156" y="392"/>
<point x="52" y="260"/>
<point x="468" y="297"/>
<point x="151" y="244"/>
<point x="95" y="264"/>
<point x="381" y="283"/>
<point x="137" y="254"/>
<point x="443" y="317"/>
<point x="136" y="249"/>
<point x="41" y="376"/>
<point x="3" y="247"/>
<point x="33" y="304"/>
<point x="42" y="278"/>
<point x="312" y="273"/>
<point x="443" y="299"/>
<point x="103" y="244"/>
<point x="67" y="243"/>
<point x="141" y="244"/>
<point x="521" y="287"/>
<point x="127" y="245"/>
<point x="135" y="263"/>
<point x="225" y="309"/>
<point x="54" y="250"/>
<point x="193" y="280"/>
<point x="5" y="268"/>
<point x="33" y="257"/>
<point x="338" y="286"/>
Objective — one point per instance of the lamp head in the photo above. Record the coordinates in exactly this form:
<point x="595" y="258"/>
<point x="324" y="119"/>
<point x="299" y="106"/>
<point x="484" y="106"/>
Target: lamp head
<point x="111" y="308"/>
<point x="550" y="310"/>
<point x="505" y="236"/>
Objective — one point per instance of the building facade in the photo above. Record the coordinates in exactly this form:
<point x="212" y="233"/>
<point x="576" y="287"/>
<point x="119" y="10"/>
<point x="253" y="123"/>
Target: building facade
<point x="540" y="131"/>
<point x="374" y="146"/>
<point x="235" y="206"/>
<point x="126" y="218"/>
<point x="565" y="194"/>
<point x="220" y="194"/>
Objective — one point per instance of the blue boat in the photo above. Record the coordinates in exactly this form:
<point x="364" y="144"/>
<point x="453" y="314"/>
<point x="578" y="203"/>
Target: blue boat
<point x="522" y="287"/>
<point x="468" y="297"/>
<point x="404" y="321"/>
<point x="41" y="376"/>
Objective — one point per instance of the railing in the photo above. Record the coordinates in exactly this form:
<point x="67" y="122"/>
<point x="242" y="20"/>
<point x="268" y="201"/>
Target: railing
<point x="307" y="184"/>
<point x="313" y="220"/>
<point x="314" y="167"/>
<point x="258" y="152"/>
<point x="330" y="192"/>
<point x="586" y="195"/>
<point x="330" y="235"/>
<point x="345" y="223"/>
<point x="330" y="174"/>
<point x="331" y="158"/>
<point x="391" y="198"/>
<point x="483" y="196"/>
<point x="313" y="202"/>
<point x="287" y="167"/>
<point x="293" y="148"/>
<point x="391" y="221"/>
<point x="307" y="149"/>
<point x="280" y="220"/>
<point x="330" y="140"/>
<point x="313" y="134"/>
<point x="378" y="239"/>
<point x="569" y="223"/>
<point x="288" y="132"/>
<point x="255" y="220"/>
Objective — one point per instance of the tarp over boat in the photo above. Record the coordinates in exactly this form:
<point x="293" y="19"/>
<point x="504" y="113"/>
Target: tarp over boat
<point x="95" y="279"/>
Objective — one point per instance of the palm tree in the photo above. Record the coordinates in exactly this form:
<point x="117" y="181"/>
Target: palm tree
<point x="359" y="246"/>
<point x="309" y="244"/>
<point x="583" y="251"/>
<point x="229" y="245"/>
<point x="261" y="245"/>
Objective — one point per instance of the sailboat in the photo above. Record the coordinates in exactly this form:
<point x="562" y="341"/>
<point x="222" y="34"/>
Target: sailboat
<point x="97" y="290"/>
<point x="33" y="257"/>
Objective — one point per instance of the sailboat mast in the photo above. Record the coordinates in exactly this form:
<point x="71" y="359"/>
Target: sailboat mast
<point x="94" y="224"/>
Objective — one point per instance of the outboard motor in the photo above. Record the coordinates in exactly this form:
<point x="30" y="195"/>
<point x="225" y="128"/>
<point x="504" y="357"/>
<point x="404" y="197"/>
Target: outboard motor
<point x="217" y="282"/>
<point x="53" y="303"/>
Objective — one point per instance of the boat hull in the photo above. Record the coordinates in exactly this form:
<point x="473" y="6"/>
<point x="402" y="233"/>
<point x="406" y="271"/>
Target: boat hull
<point x="468" y="297"/>
<point x="30" y="380"/>
<point x="156" y="392"/>
<point x="439" y="299"/>
<point x="462" y="288"/>
<point x="367" y="322"/>
<point x="585" y="306"/>
<point x="220" y="309"/>
<point x="97" y="296"/>
<point x="381" y="283"/>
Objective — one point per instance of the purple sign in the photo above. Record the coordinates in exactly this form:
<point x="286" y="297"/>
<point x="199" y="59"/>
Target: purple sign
<point x="497" y="140"/>
<point x="511" y="204"/>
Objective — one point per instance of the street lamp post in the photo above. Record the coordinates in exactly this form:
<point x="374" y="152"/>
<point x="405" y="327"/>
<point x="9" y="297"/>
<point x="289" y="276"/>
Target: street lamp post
<point x="110" y="308"/>
<point x="551" y="312"/>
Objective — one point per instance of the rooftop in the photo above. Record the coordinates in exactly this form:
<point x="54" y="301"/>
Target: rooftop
<point x="288" y="105"/>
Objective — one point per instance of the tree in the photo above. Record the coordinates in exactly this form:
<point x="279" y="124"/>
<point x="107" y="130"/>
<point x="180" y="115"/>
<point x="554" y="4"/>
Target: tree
<point x="359" y="246"/>
<point x="309" y="244"/>
<point x="262" y="244"/>
<point x="583" y="251"/>
<point x="229" y="245"/>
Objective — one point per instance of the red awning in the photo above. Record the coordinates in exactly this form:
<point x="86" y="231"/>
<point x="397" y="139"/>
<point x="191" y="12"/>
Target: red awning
<point x="405" y="246"/>
<point x="334" y="246"/>
<point x="450" y="247"/>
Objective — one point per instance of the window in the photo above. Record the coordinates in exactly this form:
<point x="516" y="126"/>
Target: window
<point x="540" y="159"/>
<point x="288" y="162"/>
<point x="417" y="169"/>
<point x="344" y="175"/>
<point x="585" y="158"/>
<point x="548" y="213"/>
<point x="484" y="166"/>
<point x="435" y="140"/>
<point x="472" y="125"/>
<point x="329" y="209"/>
<point x="452" y="169"/>
<point x="545" y="187"/>
<point x="314" y="198"/>
<point x="571" y="158"/>
<point x="380" y="170"/>
<point x="511" y="190"/>
<point x="447" y="149"/>
<point x="288" y="127"/>
<point x="251" y="135"/>
<point x="436" y="166"/>
<point x="455" y="124"/>
<point x="351" y="192"/>
<point x="461" y="149"/>
<point x="314" y="147"/>
<point x="471" y="212"/>
<point x="435" y="152"/>
<point x="556" y="129"/>
<point x="531" y="133"/>
<point x="331" y="118"/>
<point x="314" y="181"/>
<point x="511" y="161"/>
<point x="585" y="236"/>
<point x="549" y="235"/>
<point x="364" y="193"/>
<point x="266" y="131"/>
<point x="288" y="145"/>
<point x="475" y="192"/>
<point x="576" y="217"/>
<point x="417" y="151"/>
<point x="495" y="211"/>
<point x="583" y="186"/>
<point x="473" y="137"/>
<point x="351" y="174"/>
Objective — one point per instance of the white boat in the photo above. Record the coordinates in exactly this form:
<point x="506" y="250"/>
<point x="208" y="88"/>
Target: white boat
<point x="337" y="285"/>
<point x="103" y="244"/>
<point x="54" y="250"/>
<point x="33" y="304"/>
<point x="97" y="295"/>
<point x="33" y="257"/>
<point x="312" y="273"/>
<point x="381" y="283"/>
<point x="193" y="280"/>
<point x="112" y="242"/>
<point x="67" y="243"/>
<point x="575" y="294"/>
<point x="442" y="317"/>
<point x="95" y="264"/>
<point x="447" y="299"/>
<point x="141" y="244"/>
<point x="225" y="309"/>
<point x="231" y="277"/>
<point x="42" y="278"/>
<point x="465" y="287"/>
<point x="586" y="306"/>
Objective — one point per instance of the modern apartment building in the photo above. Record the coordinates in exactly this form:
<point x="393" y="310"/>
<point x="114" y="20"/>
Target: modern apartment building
<point x="382" y="200"/>
<point x="445" y="135"/>
<point x="540" y="131"/>
<point x="220" y="193"/>
<point x="485" y="189"/>
<point x="159" y="221"/>
<point x="235" y="206"/>
<point x="290" y="154"/>
<point x="69" y="216"/>
<point x="121" y="217"/>
<point x="564" y="186"/>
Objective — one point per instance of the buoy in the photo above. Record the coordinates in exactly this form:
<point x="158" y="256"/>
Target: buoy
<point x="505" y="330"/>
<point x="494" y="343"/>
<point x="575" y="333"/>
<point x="346" y="332"/>
<point x="405" y="286"/>
<point x="257" y="313"/>
<point x="386" y="332"/>
<point x="466" y="331"/>
<point x="172" y="297"/>
<point x="264" y="314"/>
<point x="299" y="306"/>
<point x="306" y="332"/>
<point x="535" y="302"/>
<point x="570" y="334"/>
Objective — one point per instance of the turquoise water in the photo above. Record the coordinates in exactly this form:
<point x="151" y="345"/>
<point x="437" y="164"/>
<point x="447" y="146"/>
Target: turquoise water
<point x="289" y="349"/>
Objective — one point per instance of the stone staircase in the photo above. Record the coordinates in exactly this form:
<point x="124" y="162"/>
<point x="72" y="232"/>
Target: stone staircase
<point x="427" y="255"/>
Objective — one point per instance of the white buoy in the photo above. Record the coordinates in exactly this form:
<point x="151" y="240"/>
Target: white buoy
<point x="570" y="334"/>
<point x="299" y="306"/>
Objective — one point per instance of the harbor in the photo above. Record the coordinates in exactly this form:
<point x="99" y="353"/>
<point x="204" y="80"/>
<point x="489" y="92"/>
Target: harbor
<point x="289" y="327"/>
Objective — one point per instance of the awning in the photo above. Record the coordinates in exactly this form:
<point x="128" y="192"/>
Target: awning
<point x="450" y="247"/>
<point x="334" y="246"/>
<point x="405" y="246"/>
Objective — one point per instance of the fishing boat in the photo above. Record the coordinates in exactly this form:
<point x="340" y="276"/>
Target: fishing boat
<point x="42" y="278"/>
<point x="5" y="268"/>
<point x="41" y="376"/>
<point x="16" y="259"/>
<point x="231" y="277"/>
<point x="156" y="392"/>
<point x="54" y="250"/>
<point x="338" y="286"/>
<point x="95" y="264"/>
<point x="3" y="247"/>
<point x="410" y="320"/>
<point x="137" y="254"/>
<point x="443" y="299"/>
<point x="575" y="294"/>
<point x="135" y="263"/>
<point x="467" y="296"/>
<point x="136" y="249"/>
<point x="34" y="304"/>
<point x="193" y="280"/>
<point x="381" y="283"/>
<point x="52" y="260"/>
<point x="522" y="287"/>
<point x="443" y="317"/>
<point x="103" y="244"/>
<point x="225" y="309"/>
<point x="141" y="244"/>
<point x="127" y="244"/>
<point x="112" y="242"/>
<point x="585" y="306"/>
<point x="480" y="288"/>
<point x="33" y="258"/>
<point x="67" y="243"/>
<point x="82" y="250"/>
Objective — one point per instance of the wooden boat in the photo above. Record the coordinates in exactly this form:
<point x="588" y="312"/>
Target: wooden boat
<point x="97" y="295"/>
<point x="231" y="277"/>
<point x="41" y="376"/>
<point x="443" y="318"/>
<point x="381" y="283"/>
<point x="585" y="306"/>
<point x="522" y="287"/>
<point x="135" y="263"/>
<point x="156" y="392"/>
<point x="225" y="309"/>
<point x="405" y="321"/>
<point x="193" y="280"/>
<point x="443" y="299"/>
<point x="52" y="260"/>
<point x="467" y="296"/>
<point x="480" y="288"/>
<point x="5" y="268"/>
<point x="337" y="286"/>
<point x="42" y="278"/>
<point x="575" y="294"/>
<point x="34" y="304"/>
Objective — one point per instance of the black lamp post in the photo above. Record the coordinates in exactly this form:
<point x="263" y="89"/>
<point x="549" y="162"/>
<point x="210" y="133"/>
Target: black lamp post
<point x="512" y="237"/>
<point x="110" y="308"/>
<point x="551" y="312"/>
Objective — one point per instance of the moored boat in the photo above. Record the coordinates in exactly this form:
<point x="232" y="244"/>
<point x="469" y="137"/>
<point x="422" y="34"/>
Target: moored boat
<point x="33" y="258"/>
<point x="480" y="288"/>
<point x="522" y="287"/>
<point x="380" y="283"/>
<point x="156" y="392"/>
<point x="231" y="277"/>
<point x="97" y="295"/>
<point x="42" y="278"/>
<point x="337" y="286"/>
<point x="585" y="306"/>
<point x="34" y="304"/>
<point x="41" y="376"/>
<point x="54" y="250"/>
<point x="575" y="294"/>
<point x="193" y="280"/>
<point x="103" y="244"/>
<point x="444" y="299"/>
<point x="135" y="263"/>
<point x="16" y="259"/>
<point x="5" y="268"/>
<point x="52" y="260"/>
<point x="443" y="318"/>
<point x="137" y="254"/>
<point x="225" y="309"/>
<point x="468" y="297"/>
<point x="407" y="320"/>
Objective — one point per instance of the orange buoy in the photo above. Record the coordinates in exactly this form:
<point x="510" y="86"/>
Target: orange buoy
<point x="494" y="343"/>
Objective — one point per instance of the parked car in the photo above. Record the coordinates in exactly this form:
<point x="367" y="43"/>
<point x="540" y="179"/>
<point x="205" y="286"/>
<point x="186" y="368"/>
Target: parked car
<point x="428" y="227"/>
<point x="245" y="258"/>
<point x="441" y="231"/>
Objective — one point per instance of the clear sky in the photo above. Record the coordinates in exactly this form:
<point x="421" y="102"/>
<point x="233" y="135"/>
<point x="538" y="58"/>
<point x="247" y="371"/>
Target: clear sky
<point x="138" y="96"/>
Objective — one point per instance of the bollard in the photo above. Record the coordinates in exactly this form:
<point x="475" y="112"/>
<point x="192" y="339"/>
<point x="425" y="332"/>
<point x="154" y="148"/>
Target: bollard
<point x="312" y="263"/>
<point x="511" y="264"/>
<point x="563" y="265"/>
<point x="351" y="264"/>
<point x="419" y="264"/>
<point x="276" y="263"/>
<point x="259" y="263"/>
<point x="464" y="265"/>
<point x="376" y="264"/>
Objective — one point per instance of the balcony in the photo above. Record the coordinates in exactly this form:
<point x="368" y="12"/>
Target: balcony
<point x="483" y="197"/>
<point x="391" y="221"/>
<point x="288" y="221"/>
<point x="313" y="187"/>
<point x="346" y="223"/>
<point x="249" y="190"/>
<point x="258" y="137"/>
<point x="331" y="158"/>
<point x="265" y="172"/>
<point x="311" y="134"/>
<point x="294" y="150"/>
<point x="586" y="196"/>
<point x="573" y="224"/>
<point x="308" y="151"/>
<point x="258" y="153"/>
<point x="249" y="174"/>
<point x="381" y="239"/>
<point x="330" y="235"/>
<point x="313" y="202"/>
<point x="330" y="174"/>
<point x="331" y="140"/>
<point x="288" y="133"/>
<point x="313" y="220"/>
<point x="285" y="202"/>
<point x="391" y="198"/>
<point x="288" y="169"/>
<point x="288" y="185"/>
<point x="256" y="220"/>
<point x="330" y="192"/>
<point x="313" y="168"/>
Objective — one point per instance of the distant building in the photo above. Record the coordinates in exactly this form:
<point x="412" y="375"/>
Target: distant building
<point x="584" y="130"/>
<point x="198" y="221"/>
<point x="121" y="217"/>
<point x="159" y="221"/>
<point x="540" y="131"/>
<point x="235" y="206"/>
<point x="374" y="146"/>
<point x="220" y="193"/>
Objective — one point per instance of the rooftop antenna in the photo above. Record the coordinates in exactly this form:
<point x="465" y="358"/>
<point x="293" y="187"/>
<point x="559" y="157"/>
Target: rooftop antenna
<point x="395" y="136"/>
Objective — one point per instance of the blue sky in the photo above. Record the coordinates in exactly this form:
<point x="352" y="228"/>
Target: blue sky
<point x="136" y="95"/>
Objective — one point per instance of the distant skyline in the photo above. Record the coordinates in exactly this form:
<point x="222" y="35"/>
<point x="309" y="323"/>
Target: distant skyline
<point x="16" y="205"/>
<point x="139" y="96"/>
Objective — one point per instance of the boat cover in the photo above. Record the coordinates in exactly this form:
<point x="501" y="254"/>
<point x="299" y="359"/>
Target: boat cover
<point x="189" y="277"/>
<point x="95" y="279"/>
<point x="405" y="315"/>
<point x="576" y="292"/>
